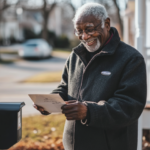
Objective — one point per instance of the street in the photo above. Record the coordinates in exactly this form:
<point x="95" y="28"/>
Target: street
<point x="11" y="75"/>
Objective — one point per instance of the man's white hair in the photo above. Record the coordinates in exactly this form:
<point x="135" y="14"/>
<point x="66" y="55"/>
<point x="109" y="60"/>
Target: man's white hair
<point x="94" y="9"/>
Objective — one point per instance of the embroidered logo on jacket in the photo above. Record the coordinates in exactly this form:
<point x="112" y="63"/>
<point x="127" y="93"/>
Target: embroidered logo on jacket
<point x="106" y="73"/>
<point x="102" y="102"/>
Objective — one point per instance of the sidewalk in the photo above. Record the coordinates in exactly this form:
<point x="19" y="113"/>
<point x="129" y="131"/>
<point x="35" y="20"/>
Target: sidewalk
<point x="12" y="90"/>
<point x="17" y="92"/>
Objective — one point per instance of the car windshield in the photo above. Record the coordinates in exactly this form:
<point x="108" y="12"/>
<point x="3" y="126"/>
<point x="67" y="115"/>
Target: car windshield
<point x="31" y="44"/>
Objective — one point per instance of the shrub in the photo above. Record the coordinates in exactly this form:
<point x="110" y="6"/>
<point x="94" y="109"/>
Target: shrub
<point x="74" y="43"/>
<point x="29" y="34"/>
<point x="62" y="42"/>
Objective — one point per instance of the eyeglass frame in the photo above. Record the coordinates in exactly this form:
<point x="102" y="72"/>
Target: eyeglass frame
<point x="75" y="32"/>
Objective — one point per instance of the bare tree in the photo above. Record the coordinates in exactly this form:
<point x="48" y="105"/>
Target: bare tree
<point x="112" y="5"/>
<point x="118" y="16"/>
<point x="46" y="9"/>
<point x="3" y="6"/>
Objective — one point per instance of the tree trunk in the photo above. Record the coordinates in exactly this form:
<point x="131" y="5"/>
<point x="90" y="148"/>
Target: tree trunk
<point x="46" y="17"/>
<point x="119" y="17"/>
<point x="0" y="26"/>
<point x="44" y="32"/>
<point x="45" y="12"/>
<point x="45" y="23"/>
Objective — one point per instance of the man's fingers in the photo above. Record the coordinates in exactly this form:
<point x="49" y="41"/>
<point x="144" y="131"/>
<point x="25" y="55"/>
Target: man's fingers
<point x="73" y="114"/>
<point x="70" y="106"/>
<point x="69" y="111"/>
<point x="62" y="106"/>
<point x="35" y="106"/>
<point x="72" y="117"/>
<point x="41" y="109"/>
<point x="38" y="107"/>
<point x="71" y="101"/>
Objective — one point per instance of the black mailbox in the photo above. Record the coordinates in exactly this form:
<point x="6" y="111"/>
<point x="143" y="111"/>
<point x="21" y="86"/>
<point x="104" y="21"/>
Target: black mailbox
<point x="10" y="123"/>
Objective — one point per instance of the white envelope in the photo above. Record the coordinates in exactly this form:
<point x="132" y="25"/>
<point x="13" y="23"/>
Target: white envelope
<point x="50" y="102"/>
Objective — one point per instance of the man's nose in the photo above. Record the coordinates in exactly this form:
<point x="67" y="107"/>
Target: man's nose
<point x="85" y="36"/>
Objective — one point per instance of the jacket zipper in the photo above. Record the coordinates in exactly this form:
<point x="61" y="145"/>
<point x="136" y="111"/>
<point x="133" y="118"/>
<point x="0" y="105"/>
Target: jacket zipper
<point x="85" y="70"/>
<point x="80" y="90"/>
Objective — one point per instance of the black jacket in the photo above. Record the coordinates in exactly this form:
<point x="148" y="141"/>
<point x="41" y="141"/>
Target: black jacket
<point x="115" y="100"/>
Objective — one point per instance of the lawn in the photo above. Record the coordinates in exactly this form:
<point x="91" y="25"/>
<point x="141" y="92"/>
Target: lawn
<point x="8" y="52"/>
<point x="37" y="127"/>
<point x="41" y="133"/>
<point x="45" y="77"/>
<point x="48" y="77"/>
<point x="62" y="50"/>
<point x="8" y="61"/>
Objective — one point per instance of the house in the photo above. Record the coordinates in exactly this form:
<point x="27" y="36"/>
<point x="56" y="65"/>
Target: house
<point x="137" y="33"/>
<point x="129" y="23"/>
<point x="15" y="20"/>
<point x="60" y="20"/>
<point x="12" y="23"/>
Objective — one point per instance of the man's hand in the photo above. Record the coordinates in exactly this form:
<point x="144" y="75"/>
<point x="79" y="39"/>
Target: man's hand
<point x="41" y="109"/>
<point x="74" y="110"/>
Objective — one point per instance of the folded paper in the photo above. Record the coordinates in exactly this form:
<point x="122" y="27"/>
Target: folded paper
<point x="50" y="102"/>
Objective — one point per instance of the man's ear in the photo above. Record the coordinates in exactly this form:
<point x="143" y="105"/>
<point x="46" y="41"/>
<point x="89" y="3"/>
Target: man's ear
<point x="107" y="24"/>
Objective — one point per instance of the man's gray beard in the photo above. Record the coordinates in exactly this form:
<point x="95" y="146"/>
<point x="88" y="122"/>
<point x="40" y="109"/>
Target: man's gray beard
<point x="91" y="48"/>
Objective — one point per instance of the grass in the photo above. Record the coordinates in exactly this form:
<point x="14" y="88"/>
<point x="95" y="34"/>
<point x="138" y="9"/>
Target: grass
<point x="64" y="53"/>
<point x="55" y="50"/>
<point x="65" y="50"/>
<point x="40" y="128"/>
<point x="6" y="61"/>
<point x="8" y="52"/>
<point x="41" y="133"/>
<point x="45" y="77"/>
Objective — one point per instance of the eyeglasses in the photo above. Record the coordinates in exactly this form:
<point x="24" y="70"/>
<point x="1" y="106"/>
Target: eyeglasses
<point x="87" y="31"/>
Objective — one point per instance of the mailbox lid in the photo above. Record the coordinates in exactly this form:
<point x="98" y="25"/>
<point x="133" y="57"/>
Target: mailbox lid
<point x="11" y="106"/>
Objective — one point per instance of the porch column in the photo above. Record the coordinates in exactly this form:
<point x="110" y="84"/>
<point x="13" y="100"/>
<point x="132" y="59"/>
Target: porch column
<point x="140" y="25"/>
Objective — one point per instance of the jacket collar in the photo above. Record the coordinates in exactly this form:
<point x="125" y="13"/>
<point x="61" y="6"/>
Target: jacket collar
<point x="108" y="49"/>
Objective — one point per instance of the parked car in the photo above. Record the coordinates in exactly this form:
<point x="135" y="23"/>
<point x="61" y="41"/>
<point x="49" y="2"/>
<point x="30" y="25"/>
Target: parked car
<point x="38" y="48"/>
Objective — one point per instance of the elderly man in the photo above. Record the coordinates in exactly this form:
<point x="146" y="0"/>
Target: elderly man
<point x="104" y="84"/>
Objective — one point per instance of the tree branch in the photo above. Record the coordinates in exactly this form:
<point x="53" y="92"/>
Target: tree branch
<point x="4" y="7"/>
<point x="119" y="17"/>
<point x="32" y="9"/>
<point x="73" y="8"/>
<point x="51" y="8"/>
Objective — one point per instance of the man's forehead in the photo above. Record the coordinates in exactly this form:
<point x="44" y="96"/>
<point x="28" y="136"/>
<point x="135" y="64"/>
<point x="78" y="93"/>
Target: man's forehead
<point x="86" y="21"/>
<point x="88" y="24"/>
